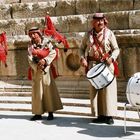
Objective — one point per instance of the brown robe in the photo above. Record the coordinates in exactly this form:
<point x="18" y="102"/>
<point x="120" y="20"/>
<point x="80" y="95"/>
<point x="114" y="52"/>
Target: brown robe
<point x="45" y="96"/>
<point x="103" y="102"/>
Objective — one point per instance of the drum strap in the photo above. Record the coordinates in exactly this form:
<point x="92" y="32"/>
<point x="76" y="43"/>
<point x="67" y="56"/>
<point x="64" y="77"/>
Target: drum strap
<point x="99" y="48"/>
<point x="102" y="56"/>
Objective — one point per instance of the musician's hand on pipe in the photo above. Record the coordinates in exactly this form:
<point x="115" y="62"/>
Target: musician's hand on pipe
<point x="41" y="64"/>
<point x="34" y="52"/>
<point x="84" y="62"/>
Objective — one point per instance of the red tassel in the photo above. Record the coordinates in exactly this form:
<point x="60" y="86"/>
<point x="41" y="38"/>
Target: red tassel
<point x="116" y="69"/>
<point x="51" y="31"/>
<point x="54" y="72"/>
<point x="29" y="73"/>
<point x="3" y="48"/>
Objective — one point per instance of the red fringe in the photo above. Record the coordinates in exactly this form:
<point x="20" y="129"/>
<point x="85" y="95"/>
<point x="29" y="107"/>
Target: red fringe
<point x="3" y="47"/>
<point x="116" y="69"/>
<point x="51" y="31"/>
<point x="29" y="73"/>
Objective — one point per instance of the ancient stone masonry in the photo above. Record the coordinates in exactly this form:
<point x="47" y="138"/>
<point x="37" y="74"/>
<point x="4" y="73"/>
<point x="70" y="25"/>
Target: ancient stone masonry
<point x="72" y="18"/>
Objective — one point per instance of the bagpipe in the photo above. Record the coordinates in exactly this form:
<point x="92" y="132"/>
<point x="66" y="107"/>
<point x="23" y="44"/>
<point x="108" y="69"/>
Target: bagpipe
<point x="49" y="31"/>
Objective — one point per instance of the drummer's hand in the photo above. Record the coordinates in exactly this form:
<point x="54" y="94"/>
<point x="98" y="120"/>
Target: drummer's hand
<point x="109" y="61"/>
<point x="84" y="62"/>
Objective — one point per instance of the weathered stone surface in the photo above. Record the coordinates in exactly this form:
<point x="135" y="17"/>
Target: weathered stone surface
<point x="134" y="19"/>
<point x="138" y="59"/>
<point x="28" y="1"/>
<point x="5" y="10"/>
<point x="33" y="10"/>
<point x="61" y="23"/>
<point x="129" y="31"/>
<point x="22" y="10"/>
<point x="16" y="65"/>
<point x="42" y="8"/>
<point x="129" y="40"/>
<point x="17" y="42"/>
<point x="66" y="7"/>
<point x="86" y="6"/>
<point x="118" y="20"/>
<point x="13" y="27"/>
<point x="30" y="22"/>
<point x="75" y="38"/>
<point x="81" y="23"/>
<point x="115" y="5"/>
<point x="9" y="1"/>
<point x="10" y="70"/>
<point x="129" y="57"/>
<point x="77" y="23"/>
<point x="137" y="4"/>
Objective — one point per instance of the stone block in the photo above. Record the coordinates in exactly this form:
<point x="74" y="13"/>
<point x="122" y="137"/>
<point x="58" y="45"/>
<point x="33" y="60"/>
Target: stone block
<point x="33" y="10"/>
<point x="31" y="22"/>
<point x="42" y="8"/>
<point x="5" y="10"/>
<point x="22" y="10"/>
<point x="12" y="27"/>
<point x="61" y="23"/>
<point x="128" y="40"/>
<point x="19" y="42"/>
<point x="118" y="20"/>
<point x="29" y="1"/>
<point x="129" y="57"/>
<point x="115" y="5"/>
<point x="65" y="7"/>
<point x="10" y="70"/>
<point x="9" y="1"/>
<point x="86" y="6"/>
<point x="77" y="23"/>
<point x="16" y="65"/>
<point x="134" y="20"/>
<point x="128" y="31"/>
<point x="136" y="4"/>
<point x="138" y="59"/>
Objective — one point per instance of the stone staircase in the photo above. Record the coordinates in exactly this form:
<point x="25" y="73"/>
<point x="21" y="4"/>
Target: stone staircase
<point x="15" y="95"/>
<point x="72" y="18"/>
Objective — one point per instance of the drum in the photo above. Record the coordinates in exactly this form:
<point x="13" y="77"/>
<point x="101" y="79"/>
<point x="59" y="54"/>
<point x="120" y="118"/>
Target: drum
<point x="133" y="90"/>
<point x="100" y="76"/>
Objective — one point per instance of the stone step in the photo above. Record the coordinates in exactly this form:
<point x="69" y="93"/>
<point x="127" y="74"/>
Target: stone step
<point x="70" y="88"/>
<point x="130" y="115"/>
<point x="70" y="23"/>
<point x="66" y="101"/>
<point x="74" y="39"/>
<point x="70" y="94"/>
<point x="36" y="8"/>
<point x="71" y="106"/>
<point x="15" y="94"/>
